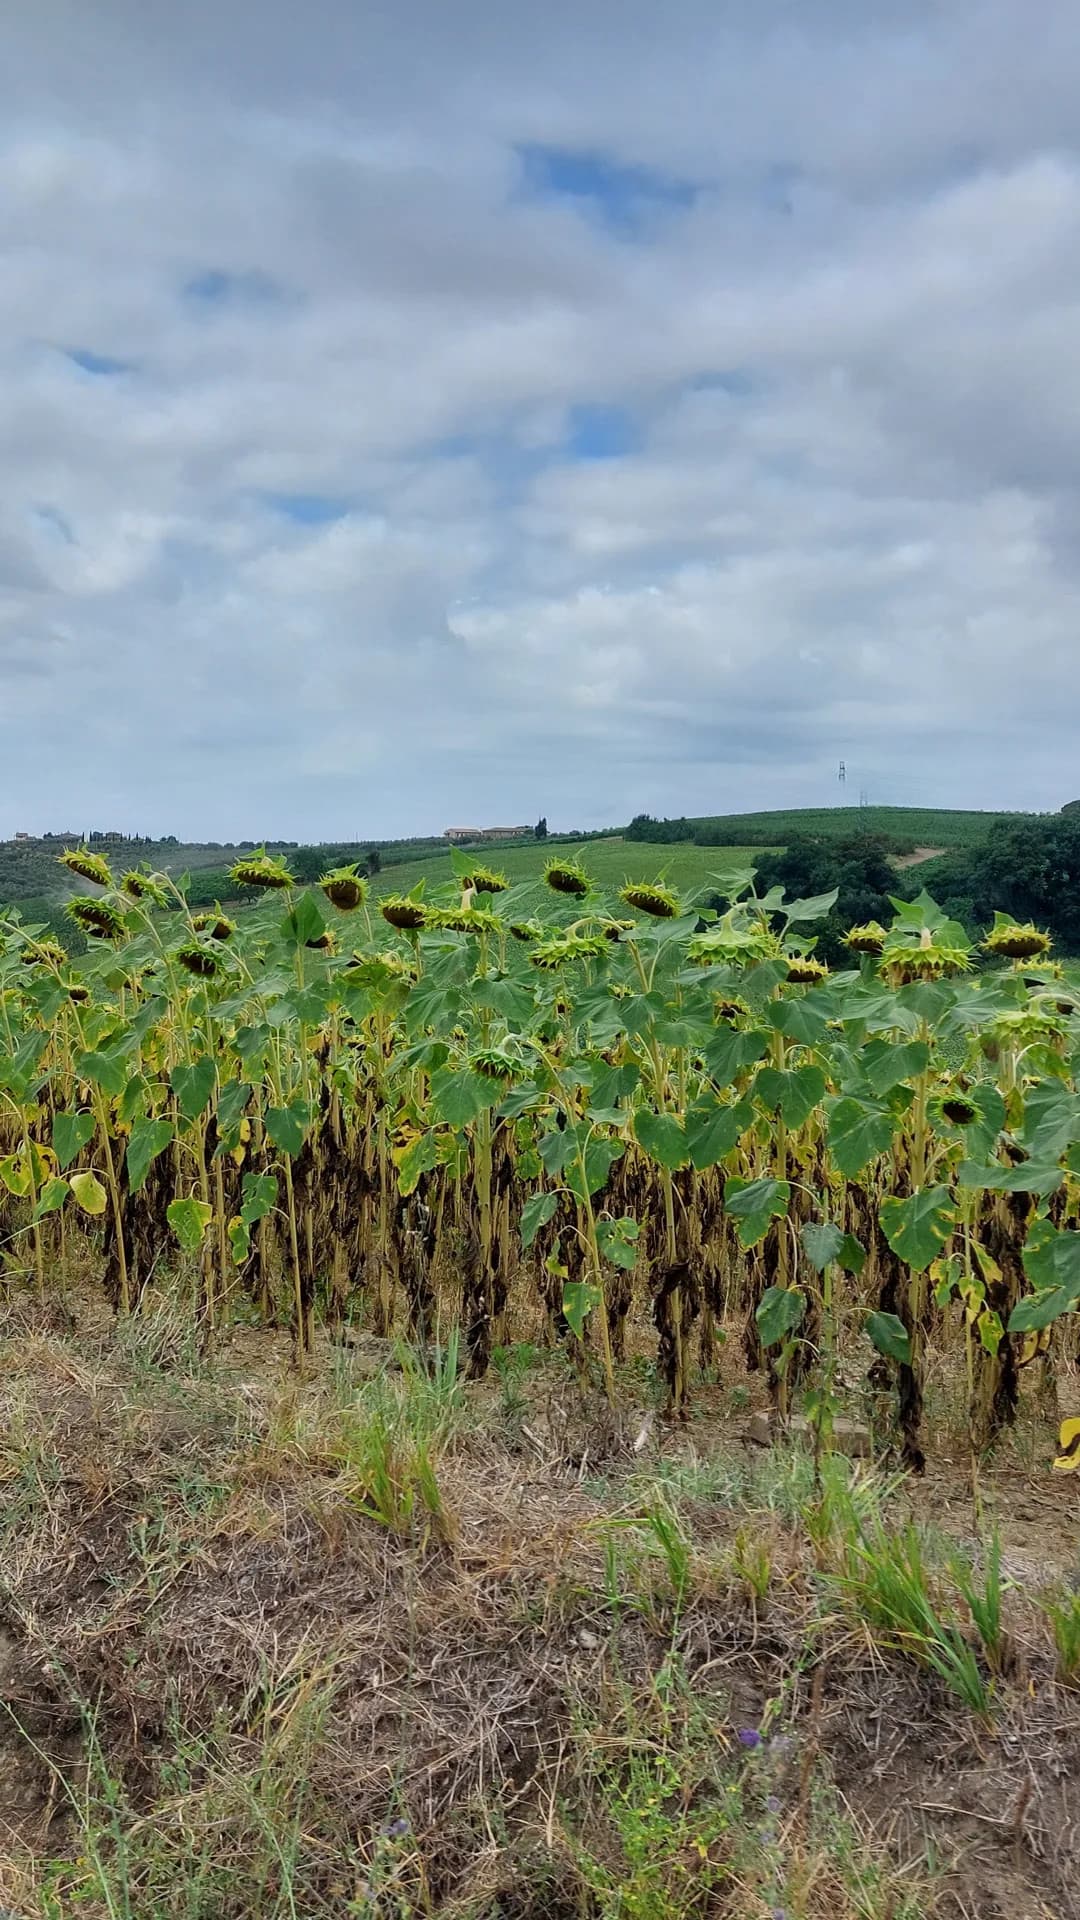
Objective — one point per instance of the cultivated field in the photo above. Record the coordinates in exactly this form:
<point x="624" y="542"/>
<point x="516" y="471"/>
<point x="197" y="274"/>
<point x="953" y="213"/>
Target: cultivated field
<point x="389" y="1288"/>
<point x="913" y="826"/>
<point x="611" y="863"/>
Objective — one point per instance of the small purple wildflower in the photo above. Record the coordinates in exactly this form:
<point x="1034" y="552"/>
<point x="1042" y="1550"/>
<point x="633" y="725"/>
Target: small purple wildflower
<point x="749" y="1737"/>
<point x="778" y="1913"/>
<point x="772" y="1804"/>
<point x="780" y="1743"/>
<point x="397" y="1829"/>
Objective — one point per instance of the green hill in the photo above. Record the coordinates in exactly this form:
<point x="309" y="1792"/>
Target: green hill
<point x="685" y="851"/>
<point x="611" y="862"/>
<point x="905" y="828"/>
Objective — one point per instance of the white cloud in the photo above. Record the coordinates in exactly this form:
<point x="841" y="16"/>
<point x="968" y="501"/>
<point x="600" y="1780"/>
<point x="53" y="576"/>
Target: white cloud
<point x="844" y="522"/>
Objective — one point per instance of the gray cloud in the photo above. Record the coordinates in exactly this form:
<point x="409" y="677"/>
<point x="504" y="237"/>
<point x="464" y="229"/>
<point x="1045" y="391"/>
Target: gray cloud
<point x="302" y="527"/>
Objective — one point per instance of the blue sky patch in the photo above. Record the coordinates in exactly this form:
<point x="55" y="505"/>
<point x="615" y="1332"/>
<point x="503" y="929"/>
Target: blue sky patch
<point x="601" y="433"/>
<point x="622" y="197"/>
<point x="216" y="287"/>
<point x="99" y="364"/>
<point x="738" y="381"/>
<point x="54" y="524"/>
<point x="309" y="509"/>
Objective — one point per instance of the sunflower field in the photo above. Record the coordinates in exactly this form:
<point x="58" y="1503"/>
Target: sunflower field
<point x="620" y="1110"/>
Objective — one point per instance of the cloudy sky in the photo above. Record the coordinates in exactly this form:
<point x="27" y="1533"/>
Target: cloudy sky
<point x="417" y="411"/>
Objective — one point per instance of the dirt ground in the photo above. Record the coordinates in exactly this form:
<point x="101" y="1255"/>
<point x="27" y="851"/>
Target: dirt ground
<point x="916" y="857"/>
<point x="189" y="1559"/>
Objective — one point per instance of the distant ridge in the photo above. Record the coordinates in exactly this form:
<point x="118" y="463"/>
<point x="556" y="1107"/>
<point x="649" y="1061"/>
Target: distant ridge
<point x="905" y="828"/>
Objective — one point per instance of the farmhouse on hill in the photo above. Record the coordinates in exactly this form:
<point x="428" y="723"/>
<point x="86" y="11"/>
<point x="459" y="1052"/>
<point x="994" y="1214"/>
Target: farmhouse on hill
<point x="460" y="836"/>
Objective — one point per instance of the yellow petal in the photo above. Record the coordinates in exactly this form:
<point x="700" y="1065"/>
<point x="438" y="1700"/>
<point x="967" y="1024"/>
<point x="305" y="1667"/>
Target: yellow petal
<point x="1069" y="1441"/>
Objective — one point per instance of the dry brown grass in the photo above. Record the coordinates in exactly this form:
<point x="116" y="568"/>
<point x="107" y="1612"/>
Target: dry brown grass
<point x="199" y="1616"/>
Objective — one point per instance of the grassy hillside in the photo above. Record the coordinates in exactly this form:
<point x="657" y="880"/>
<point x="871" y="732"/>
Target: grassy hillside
<point x="684" y="851"/>
<point x="32" y="870"/>
<point x="611" y="863"/>
<point x="903" y="826"/>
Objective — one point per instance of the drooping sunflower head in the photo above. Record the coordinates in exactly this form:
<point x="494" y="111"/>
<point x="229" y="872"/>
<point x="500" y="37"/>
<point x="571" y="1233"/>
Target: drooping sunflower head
<point x="526" y="930"/>
<point x="49" y="952"/>
<point x="549" y="955"/>
<point x="739" y="939"/>
<point x="197" y="959"/>
<point x="1040" y="974"/>
<point x="216" y="924"/>
<point x="567" y="876"/>
<point x="260" y="869"/>
<point x="345" y="888"/>
<point x="493" y="1063"/>
<point x="144" y="886"/>
<point x="644" y="897"/>
<point x="405" y="914"/>
<point x="484" y="880"/>
<point x="614" y="929"/>
<point x="376" y="970"/>
<point x="727" y="1009"/>
<point x="463" y="920"/>
<point x="1012" y="941"/>
<point x="97" y="918"/>
<point x="555" y="952"/>
<point x="88" y="866"/>
<point x="1039" y="1023"/>
<point x="958" y="1108"/>
<point x="324" y="942"/>
<point x="805" y="971"/>
<point x="936" y="955"/>
<point x="77" y="991"/>
<point x="869" y="938"/>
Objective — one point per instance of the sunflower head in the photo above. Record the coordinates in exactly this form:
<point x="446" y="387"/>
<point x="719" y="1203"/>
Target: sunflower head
<point x="526" y="930"/>
<point x="144" y="886"/>
<point x="197" y="959"/>
<point x="805" y="971"/>
<point x="935" y="956"/>
<point x="377" y="970"/>
<point x="958" y="1109"/>
<point x="494" y="1064"/>
<point x="88" y="866"/>
<point x="549" y="955"/>
<point x="869" y="938"/>
<point x="260" y="869"/>
<point x="463" y="920"/>
<point x="567" y="876"/>
<point x="727" y="1010"/>
<point x="324" y="942"/>
<point x="555" y="952"/>
<point x="1011" y="941"/>
<point x="49" y="952"/>
<point x="484" y="880"/>
<point x="217" y="925"/>
<point x="407" y="915"/>
<point x="97" y="918"/>
<point x="614" y="929"/>
<point x="660" y="902"/>
<point x="76" y="990"/>
<point x="738" y="939"/>
<point x="345" y="888"/>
